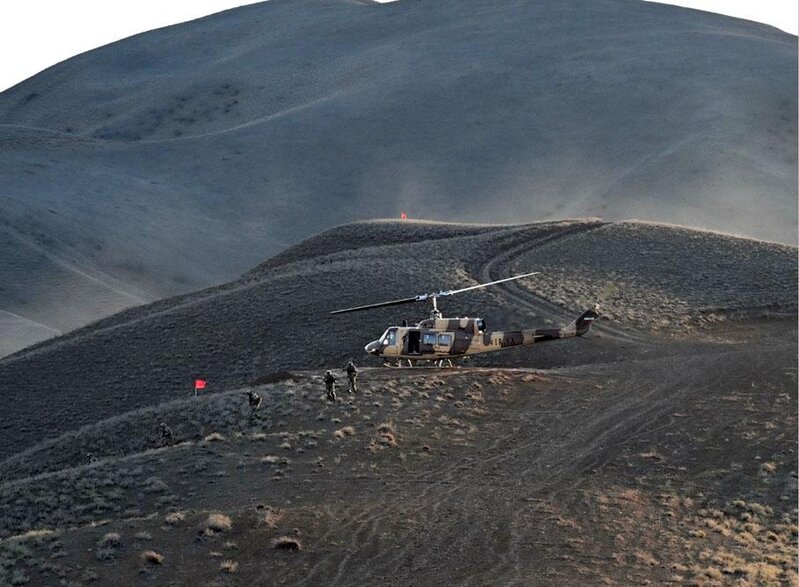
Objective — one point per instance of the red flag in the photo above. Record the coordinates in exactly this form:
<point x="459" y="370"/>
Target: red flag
<point x="404" y="216"/>
<point x="199" y="384"/>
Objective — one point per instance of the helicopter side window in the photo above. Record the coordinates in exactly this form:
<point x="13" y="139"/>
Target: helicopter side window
<point x="429" y="338"/>
<point x="390" y="339"/>
<point x="481" y="325"/>
<point x="445" y="339"/>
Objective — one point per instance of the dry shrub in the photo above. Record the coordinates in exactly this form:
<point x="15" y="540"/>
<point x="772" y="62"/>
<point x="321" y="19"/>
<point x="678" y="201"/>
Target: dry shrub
<point x="111" y="539"/>
<point x="768" y="468"/>
<point x="214" y="437"/>
<point x="386" y="436"/>
<point x="143" y="536"/>
<point x="270" y="459"/>
<point x="745" y="538"/>
<point x="152" y="557"/>
<point x="728" y="562"/>
<point x="760" y="510"/>
<point x="174" y="518"/>
<point x="287" y="543"/>
<point x="711" y="573"/>
<point x="345" y="431"/>
<point x="229" y="566"/>
<point x="272" y="517"/>
<point x="763" y="573"/>
<point x="645" y="558"/>
<point x="219" y="522"/>
<point x="719" y="527"/>
<point x="651" y="455"/>
<point x="385" y="428"/>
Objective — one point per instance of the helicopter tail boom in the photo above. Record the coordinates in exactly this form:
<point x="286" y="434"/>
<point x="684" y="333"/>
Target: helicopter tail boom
<point x="497" y="340"/>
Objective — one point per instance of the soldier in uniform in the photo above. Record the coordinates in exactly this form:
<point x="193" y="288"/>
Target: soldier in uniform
<point x="254" y="399"/>
<point x="330" y="384"/>
<point x="352" y="375"/>
<point x="166" y="434"/>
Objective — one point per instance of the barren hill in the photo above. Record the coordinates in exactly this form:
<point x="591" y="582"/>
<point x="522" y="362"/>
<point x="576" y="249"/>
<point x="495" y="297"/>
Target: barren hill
<point x="654" y="280"/>
<point x="178" y="158"/>
<point x="660" y="448"/>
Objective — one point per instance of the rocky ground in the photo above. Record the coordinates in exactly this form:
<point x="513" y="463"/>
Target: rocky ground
<point x="660" y="448"/>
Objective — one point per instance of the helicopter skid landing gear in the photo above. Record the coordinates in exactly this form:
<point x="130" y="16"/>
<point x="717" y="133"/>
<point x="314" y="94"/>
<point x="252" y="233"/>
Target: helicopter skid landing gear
<point x="444" y="363"/>
<point x="399" y="364"/>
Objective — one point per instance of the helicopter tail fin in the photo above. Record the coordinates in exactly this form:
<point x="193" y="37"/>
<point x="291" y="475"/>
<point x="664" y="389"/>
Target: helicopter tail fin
<point x="583" y="322"/>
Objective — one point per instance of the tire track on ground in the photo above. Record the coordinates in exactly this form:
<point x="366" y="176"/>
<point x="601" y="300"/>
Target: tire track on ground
<point x="499" y="266"/>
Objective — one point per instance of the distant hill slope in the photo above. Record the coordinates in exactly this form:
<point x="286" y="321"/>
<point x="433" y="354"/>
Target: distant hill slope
<point x="658" y="282"/>
<point x="178" y="158"/>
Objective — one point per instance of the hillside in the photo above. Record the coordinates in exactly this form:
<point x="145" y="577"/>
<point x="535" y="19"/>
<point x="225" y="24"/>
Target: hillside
<point x="660" y="448"/>
<point x="179" y="158"/>
<point x="654" y="280"/>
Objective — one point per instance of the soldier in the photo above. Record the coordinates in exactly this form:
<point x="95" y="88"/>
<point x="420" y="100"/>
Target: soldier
<point x="352" y="375"/>
<point x="330" y="384"/>
<point x="254" y="399"/>
<point x="166" y="434"/>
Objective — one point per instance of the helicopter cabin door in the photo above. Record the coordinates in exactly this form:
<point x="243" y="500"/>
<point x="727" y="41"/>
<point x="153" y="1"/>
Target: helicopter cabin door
<point x="414" y="342"/>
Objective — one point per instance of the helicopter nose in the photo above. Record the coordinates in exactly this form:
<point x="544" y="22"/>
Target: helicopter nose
<point x="372" y="347"/>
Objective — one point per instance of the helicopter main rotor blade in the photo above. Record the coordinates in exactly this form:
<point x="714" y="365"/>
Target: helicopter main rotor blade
<point x="381" y="304"/>
<point x="479" y="285"/>
<point x="425" y="297"/>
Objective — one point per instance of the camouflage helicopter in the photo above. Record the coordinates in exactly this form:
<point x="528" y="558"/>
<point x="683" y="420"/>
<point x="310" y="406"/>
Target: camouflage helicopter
<point x="440" y="339"/>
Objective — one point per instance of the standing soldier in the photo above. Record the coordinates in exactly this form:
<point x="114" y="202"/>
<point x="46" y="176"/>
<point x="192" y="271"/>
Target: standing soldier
<point x="166" y="434"/>
<point x="254" y="399"/>
<point x="330" y="384"/>
<point x="352" y="375"/>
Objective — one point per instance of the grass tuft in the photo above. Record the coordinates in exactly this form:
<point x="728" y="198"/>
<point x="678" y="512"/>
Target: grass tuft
<point x="345" y="431"/>
<point x="152" y="557"/>
<point x="287" y="543"/>
<point x="219" y="522"/>
<point x="229" y="566"/>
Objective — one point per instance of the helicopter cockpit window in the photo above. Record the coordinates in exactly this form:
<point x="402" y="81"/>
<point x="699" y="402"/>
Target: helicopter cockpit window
<point x="390" y="337"/>
<point x="481" y="325"/>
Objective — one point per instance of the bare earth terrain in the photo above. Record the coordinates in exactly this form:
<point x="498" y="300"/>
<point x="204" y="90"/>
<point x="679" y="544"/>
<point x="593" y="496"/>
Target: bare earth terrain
<point x="179" y="158"/>
<point x="661" y="448"/>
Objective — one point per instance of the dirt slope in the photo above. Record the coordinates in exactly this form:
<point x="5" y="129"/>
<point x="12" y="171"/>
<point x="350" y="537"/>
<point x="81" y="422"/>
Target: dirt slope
<point x="650" y="278"/>
<point x="179" y="158"/>
<point x="659" y="449"/>
<point x="682" y="470"/>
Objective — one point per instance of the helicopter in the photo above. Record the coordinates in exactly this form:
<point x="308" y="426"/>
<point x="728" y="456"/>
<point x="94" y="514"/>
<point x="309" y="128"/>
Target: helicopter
<point x="439" y="339"/>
